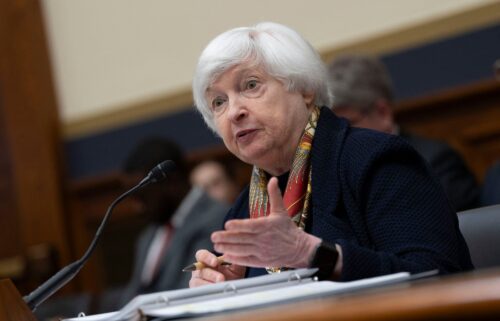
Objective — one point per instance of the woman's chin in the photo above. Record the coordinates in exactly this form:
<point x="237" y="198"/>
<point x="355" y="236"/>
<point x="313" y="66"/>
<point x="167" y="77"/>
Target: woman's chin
<point x="254" y="156"/>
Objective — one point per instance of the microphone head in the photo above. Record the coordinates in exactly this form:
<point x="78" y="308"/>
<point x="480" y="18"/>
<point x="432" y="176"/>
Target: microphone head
<point x="160" y="171"/>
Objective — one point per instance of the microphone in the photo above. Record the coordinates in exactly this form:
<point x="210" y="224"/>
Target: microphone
<point x="58" y="280"/>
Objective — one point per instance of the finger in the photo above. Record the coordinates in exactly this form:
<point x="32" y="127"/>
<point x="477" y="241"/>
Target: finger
<point x="211" y="275"/>
<point x="196" y="282"/>
<point x="207" y="258"/>
<point x="233" y="237"/>
<point x="195" y="274"/>
<point x="196" y="279"/>
<point x="235" y="249"/>
<point x="247" y="260"/>
<point x="275" y="200"/>
<point x="245" y="225"/>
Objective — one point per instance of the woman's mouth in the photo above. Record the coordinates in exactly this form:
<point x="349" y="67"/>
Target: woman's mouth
<point x="245" y="136"/>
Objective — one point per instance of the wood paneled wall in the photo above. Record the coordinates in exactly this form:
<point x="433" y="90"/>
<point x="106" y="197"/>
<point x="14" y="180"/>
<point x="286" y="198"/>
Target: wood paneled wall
<point x="31" y="193"/>
<point x="467" y="117"/>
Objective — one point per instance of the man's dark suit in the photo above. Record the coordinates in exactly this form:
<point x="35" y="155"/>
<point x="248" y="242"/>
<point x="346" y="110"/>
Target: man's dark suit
<point x="458" y="181"/>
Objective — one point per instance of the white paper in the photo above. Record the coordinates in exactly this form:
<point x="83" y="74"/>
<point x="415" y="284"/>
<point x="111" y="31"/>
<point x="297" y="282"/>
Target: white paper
<point x="260" y="298"/>
<point x="239" y="294"/>
<point x="130" y="310"/>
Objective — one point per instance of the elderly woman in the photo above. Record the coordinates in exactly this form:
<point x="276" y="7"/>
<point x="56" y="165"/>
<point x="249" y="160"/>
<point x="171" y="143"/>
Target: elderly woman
<point x="356" y="203"/>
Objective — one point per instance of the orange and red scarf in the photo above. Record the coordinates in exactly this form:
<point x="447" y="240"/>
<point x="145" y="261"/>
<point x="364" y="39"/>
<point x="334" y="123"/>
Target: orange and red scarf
<point x="298" y="189"/>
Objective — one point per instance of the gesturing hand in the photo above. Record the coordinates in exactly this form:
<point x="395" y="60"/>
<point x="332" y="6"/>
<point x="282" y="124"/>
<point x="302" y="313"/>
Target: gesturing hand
<point x="274" y="240"/>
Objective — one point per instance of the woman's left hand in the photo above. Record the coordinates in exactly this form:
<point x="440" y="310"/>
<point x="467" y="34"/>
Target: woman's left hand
<point x="271" y="241"/>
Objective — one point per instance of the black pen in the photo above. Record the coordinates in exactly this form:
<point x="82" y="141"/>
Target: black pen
<point x="199" y="265"/>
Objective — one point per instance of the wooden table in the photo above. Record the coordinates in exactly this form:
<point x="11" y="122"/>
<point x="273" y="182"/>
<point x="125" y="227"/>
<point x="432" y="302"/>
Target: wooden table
<point x="467" y="296"/>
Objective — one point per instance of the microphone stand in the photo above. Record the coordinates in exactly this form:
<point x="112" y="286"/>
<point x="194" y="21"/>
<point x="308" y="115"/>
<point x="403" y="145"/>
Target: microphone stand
<point x="58" y="280"/>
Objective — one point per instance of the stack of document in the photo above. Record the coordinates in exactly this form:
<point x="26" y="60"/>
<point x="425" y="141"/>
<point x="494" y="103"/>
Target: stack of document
<point x="254" y="292"/>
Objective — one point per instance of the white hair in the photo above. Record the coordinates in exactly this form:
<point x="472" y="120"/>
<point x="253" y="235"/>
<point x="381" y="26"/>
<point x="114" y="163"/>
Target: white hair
<point x="279" y="50"/>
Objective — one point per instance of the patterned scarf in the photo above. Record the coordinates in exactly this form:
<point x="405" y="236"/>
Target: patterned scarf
<point x="298" y="189"/>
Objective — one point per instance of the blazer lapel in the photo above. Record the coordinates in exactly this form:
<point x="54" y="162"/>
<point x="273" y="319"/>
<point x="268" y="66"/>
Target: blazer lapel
<point x="327" y="145"/>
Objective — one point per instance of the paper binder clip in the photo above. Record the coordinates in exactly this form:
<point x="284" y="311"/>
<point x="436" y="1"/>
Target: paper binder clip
<point x="162" y="299"/>
<point x="294" y="277"/>
<point x="230" y="288"/>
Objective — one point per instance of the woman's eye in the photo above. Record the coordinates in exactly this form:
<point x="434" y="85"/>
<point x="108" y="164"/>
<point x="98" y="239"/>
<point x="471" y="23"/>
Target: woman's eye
<point x="217" y="102"/>
<point x="251" y="84"/>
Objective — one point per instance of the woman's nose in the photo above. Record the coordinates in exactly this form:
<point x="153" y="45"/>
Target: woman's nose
<point x="237" y="108"/>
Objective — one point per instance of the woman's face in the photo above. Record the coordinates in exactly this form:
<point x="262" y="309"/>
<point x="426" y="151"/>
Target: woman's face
<point x="258" y="119"/>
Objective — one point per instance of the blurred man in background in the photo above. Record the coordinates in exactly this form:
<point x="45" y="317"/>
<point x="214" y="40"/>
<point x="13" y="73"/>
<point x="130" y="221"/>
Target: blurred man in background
<point x="363" y="94"/>
<point x="182" y="219"/>
<point x="216" y="180"/>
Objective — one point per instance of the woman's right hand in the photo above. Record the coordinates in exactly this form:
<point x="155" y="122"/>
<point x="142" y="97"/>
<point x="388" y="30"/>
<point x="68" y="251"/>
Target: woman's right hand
<point x="214" y="272"/>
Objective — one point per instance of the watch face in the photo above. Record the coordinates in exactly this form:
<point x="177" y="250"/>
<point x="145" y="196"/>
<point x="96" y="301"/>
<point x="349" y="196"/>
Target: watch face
<point x="325" y="259"/>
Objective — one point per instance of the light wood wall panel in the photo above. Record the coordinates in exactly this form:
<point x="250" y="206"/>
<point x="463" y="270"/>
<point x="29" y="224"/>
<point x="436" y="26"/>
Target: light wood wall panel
<point x="31" y="190"/>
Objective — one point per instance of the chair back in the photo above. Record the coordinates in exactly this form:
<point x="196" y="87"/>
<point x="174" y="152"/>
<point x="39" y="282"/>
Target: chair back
<point x="481" y="230"/>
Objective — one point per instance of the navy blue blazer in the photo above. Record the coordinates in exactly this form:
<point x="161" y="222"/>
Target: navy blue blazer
<point x="375" y="196"/>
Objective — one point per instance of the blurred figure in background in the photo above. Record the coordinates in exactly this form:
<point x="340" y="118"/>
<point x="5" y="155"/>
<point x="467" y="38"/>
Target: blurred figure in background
<point x="496" y="69"/>
<point x="491" y="188"/>
<point x="216" y="180"/>
<point x="363" y="94"/>
<point x="182" y="219"/>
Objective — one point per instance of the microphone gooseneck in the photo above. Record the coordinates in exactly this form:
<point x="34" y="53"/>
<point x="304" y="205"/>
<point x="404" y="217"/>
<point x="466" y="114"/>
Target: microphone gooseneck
<point x="58" y="280"/>
<point x="158" y="173"/>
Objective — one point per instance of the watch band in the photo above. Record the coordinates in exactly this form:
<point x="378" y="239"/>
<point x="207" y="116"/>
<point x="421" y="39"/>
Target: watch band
<point x="325" y="258"/>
